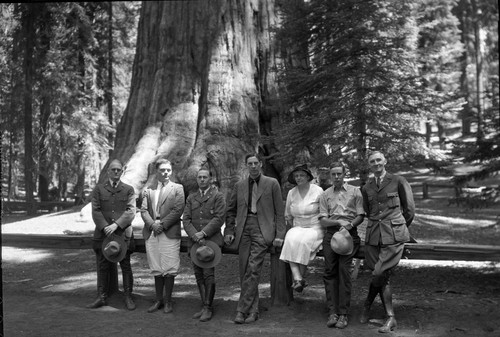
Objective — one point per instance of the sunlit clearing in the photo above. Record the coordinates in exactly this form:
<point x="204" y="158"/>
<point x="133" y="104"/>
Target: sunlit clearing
<point x="18" y="255"/>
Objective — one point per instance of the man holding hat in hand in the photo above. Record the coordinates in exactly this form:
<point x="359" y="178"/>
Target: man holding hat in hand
<point x="341" y="211"/>
<point x="202" y="220"/>
<point x="113" y="209"/>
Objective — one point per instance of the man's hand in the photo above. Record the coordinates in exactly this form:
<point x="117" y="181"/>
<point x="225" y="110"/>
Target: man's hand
<point x="157" y="227"/>
<point x="278" y="242"/>
<point x="228" y="239"/>
<point x="109" y="230"/>
<point x="198" y="236"/>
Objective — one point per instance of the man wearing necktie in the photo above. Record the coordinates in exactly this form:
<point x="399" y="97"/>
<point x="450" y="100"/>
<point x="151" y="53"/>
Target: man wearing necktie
<point x="161" y="210"/>
<point x="389" y="206"/>
<point x="113" y="209"/>
<point x="202" y="220"/>
<point x="254" y="222"/>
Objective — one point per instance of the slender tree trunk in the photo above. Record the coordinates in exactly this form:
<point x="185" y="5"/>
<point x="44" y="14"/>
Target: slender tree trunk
<point x="201" y="88"/>
<point x="29" y="33"/>
<point x="464" y="62"/>
<point x="428" y="133"/>
<point x="109" y="84"/>
<point x="479" y="69"/>
<point x="43" y="162"/>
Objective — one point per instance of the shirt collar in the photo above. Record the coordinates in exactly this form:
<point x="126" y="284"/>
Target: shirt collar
<point x="111" y="182"/>
<point x="256" y="179"/>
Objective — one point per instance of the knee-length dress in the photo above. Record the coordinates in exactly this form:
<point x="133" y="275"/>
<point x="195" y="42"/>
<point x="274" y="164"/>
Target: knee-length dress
<point x="304" y="239"/>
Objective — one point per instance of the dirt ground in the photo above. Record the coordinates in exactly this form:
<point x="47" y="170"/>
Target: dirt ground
<point x="45" y="291"/>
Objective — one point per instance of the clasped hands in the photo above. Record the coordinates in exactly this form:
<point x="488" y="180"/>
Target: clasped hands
<point x="156" y="228"/>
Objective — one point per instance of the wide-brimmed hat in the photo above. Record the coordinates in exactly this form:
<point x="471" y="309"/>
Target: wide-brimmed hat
<point x="303" y="168"/>
<point x="342" y="243"/>
<point x="114" y="248"/>
<point x="205" y="255"/>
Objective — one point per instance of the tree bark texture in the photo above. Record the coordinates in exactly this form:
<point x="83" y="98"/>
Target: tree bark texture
<point x="201" y="89"/>
<point x="29" y="33"/>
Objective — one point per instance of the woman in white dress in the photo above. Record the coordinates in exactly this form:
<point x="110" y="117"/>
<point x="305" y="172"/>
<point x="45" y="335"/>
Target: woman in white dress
<point x="303" y="240"/>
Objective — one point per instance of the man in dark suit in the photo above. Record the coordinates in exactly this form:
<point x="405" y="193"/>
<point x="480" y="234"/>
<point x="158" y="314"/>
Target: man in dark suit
<point x="202" y="220"/>
<point x="389" y="206"/>
<point x="161" y="210"/>
<point x="254" y="221"/>
<point x="113" y="209"/>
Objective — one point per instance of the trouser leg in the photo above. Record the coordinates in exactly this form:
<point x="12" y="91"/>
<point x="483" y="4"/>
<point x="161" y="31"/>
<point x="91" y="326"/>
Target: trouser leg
<point x="103" y="267"/>
<point x="128" y="281"/>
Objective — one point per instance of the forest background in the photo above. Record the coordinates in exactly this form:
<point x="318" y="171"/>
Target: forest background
<point x="204" y="82"/>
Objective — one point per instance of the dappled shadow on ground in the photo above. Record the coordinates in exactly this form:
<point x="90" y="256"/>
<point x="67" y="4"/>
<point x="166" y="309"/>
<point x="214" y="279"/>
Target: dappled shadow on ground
<point x="46" y="292"/>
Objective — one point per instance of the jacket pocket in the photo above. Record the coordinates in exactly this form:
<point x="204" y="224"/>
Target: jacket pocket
<point x="400" y="230"/>
<point x="393" y="200"/>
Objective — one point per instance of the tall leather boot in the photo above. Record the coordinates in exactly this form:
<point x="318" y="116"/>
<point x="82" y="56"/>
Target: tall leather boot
<point x="372" y="293"/>
<point x="169" y="287"/>
<point x="102" y="290"/>
<point x="201" y="289"/>
<point x="209" y="300"/>
<point x="158" y="304"/>
<point x="128" y="282"/>
<point x="386" y="296"/>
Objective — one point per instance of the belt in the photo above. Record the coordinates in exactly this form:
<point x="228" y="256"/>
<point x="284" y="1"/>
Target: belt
<point x="252" y="214"/>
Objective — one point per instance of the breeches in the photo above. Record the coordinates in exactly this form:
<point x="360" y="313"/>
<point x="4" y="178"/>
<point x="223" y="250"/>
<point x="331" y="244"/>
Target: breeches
<point x="163" y="255"/>
<point x="382" y="260"/>
<point x="204" y="275"/>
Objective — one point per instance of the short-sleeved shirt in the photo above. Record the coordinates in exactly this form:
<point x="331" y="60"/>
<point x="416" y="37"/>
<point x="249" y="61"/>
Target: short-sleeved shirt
<point x="344" y="204"/>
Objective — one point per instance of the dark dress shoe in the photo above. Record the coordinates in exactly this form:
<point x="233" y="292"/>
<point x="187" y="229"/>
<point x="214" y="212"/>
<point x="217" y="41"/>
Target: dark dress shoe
<point x="239" y="319"/>
<point x="332" y="320"/>
<point x="129" y="303"/>
<point x="198" y="314"/>
<point x="252" y="317"/>
<point x="99" y="302"/>
<point x="168" y="308"/>
<point x="207" y="314"/>
<point x="156" y="306"/>
<point x="342" y="323"/>
<point x="389" y="325"/>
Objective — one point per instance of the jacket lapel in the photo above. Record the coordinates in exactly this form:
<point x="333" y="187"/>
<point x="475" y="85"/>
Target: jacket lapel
<point x="386" y="181"/>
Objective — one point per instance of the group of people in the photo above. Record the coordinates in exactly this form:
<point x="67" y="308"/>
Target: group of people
<point x="256" y="219"/>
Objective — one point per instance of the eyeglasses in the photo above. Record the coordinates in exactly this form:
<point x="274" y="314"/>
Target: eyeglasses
<point x="115" y="170"/>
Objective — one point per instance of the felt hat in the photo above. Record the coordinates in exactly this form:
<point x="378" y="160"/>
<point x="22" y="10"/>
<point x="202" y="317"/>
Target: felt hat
<point x="303" y="168"/>
<point x="205" y="255"/>
<point x="114" y="248"/>
<point x="342" y="243"/>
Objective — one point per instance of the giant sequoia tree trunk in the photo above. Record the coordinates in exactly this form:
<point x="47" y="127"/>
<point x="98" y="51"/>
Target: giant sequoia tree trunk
<point x="201" y="90"/>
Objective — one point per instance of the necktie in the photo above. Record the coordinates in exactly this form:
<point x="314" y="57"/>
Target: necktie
<point x="114" y="185"/>
<point x="160" y="195"/>
<point x="253" y="206"/>
<point x="377" y="181"/>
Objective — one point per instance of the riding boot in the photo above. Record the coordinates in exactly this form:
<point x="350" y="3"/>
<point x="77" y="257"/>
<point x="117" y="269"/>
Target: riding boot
<point x="209" y="299"/>
<point x="128" y="282"/>
<point x="372" y="293"/>
<point x="386" y="296"/>
<point x="158" y="304"/>
<point x="169" y="287"/>
<point x="201" y="288"/>
<point x="102" y="290"/>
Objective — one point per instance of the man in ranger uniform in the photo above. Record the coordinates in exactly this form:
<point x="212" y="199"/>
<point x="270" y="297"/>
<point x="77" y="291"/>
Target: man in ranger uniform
<point x="389" y="206"/>
<point x="202" y="220"/>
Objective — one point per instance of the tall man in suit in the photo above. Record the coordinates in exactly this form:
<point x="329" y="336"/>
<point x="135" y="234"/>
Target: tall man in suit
<point x="389" y="206"/>
<point x="162" y="207"/>
<point x="113" y="209"/>
<point x="254" y="221"/>
<point x="203" y="218"/>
